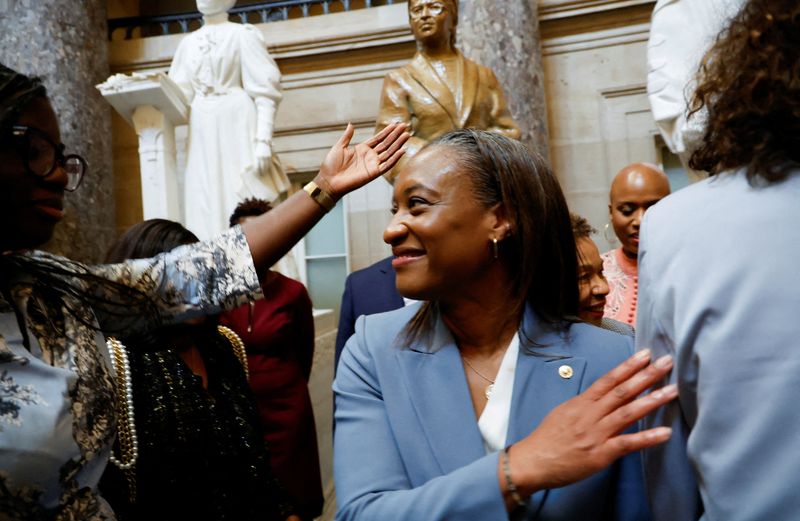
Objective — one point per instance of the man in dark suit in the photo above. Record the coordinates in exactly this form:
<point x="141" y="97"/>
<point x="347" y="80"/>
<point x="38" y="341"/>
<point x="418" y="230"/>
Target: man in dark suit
<point x="367" y="291"/>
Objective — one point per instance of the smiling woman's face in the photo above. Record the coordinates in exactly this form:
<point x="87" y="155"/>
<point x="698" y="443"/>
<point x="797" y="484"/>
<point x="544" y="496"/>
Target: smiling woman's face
<point x="592" y="285"/>
<point x="30" y="206"/>
<point x="440" y="234"/>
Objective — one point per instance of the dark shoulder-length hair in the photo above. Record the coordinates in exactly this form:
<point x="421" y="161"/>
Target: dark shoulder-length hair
<point x="143" y="241"/>
<point x="149" y="238"/>
<point x="540" y="252"/>
<point x="749" y="82"/>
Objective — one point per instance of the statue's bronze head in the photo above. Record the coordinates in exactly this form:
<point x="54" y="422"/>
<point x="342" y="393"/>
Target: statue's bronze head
<point x="432" y="20"/>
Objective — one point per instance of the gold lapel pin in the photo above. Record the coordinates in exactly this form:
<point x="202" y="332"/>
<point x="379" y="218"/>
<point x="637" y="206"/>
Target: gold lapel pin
<point x="565" y="372"/>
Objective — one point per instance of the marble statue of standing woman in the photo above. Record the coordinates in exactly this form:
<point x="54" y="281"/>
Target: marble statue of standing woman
<point x="233" y="85"/>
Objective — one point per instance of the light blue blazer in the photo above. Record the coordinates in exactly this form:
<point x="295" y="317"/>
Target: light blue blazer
<point x="407" y="444"/>
<point x="719" y="290"/>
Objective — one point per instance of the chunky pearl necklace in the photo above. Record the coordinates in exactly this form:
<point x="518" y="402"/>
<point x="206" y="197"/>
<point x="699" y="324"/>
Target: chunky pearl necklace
<point x="126" y="425"/>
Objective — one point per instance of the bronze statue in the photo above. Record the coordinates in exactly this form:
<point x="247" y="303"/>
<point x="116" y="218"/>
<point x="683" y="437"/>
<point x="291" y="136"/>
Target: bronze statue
<point x="441" y="90"/>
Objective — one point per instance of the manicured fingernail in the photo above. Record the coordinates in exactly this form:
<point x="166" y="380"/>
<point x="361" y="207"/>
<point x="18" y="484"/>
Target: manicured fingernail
<point x="664" y="361"/>
<point x="644" y="354"/>
<point x="660" y="433"/>
<point x="668" y="391"/>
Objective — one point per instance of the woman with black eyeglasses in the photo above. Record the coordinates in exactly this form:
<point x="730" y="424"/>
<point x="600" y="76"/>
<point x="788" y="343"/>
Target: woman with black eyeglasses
<point x="58" y="407"/>
<point x="43" y="156"/>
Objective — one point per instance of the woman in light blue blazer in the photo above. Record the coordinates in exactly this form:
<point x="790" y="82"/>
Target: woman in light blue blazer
<point x="488" y="400"/>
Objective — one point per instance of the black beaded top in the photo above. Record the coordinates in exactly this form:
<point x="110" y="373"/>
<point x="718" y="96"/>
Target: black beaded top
<point x="202" y="454"/>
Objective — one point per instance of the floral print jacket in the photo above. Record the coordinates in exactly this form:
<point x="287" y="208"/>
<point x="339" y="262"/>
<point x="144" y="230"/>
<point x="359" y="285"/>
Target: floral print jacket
<point x="57" y="419"/>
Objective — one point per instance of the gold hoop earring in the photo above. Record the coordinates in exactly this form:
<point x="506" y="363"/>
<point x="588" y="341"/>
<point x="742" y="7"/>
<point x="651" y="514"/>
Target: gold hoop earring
<point x="495" y="247"/>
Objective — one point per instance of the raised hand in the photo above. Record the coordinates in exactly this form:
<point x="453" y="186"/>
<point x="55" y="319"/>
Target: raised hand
<point x="582" y="435"/>
<point x="346" y="168"/>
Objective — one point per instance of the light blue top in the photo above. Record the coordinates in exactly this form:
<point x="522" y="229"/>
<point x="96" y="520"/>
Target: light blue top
<point x="719" y="289"/>
<point x="407" y="444"/>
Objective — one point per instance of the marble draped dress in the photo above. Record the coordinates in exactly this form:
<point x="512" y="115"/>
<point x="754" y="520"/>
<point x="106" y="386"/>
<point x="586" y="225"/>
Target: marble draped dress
<point x="233" y="85"/>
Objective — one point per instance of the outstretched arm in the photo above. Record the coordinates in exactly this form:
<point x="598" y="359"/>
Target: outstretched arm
<point x="345" y="168"/>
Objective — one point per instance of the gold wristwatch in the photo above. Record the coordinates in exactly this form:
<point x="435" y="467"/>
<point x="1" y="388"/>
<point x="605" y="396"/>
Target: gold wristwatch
<point x="322" y="197"/>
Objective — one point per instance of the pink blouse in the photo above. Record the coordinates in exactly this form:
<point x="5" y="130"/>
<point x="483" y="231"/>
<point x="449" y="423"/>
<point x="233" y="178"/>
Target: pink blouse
<point x="622" y="275"/>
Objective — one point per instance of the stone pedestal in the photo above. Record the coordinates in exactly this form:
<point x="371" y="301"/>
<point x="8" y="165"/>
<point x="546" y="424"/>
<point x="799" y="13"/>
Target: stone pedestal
<point x="156" y="133"/>
<point x="64" y="43"/>
<point x="504" y="36"/>
<point x="153" y="105"/>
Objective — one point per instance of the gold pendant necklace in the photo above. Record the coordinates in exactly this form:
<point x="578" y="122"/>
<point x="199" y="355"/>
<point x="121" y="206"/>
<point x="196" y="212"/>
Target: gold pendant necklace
<point x="489" y="388"/>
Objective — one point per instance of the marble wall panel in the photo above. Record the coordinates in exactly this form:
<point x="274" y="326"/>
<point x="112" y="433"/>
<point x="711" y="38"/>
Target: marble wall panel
<point x="598" y="115"/>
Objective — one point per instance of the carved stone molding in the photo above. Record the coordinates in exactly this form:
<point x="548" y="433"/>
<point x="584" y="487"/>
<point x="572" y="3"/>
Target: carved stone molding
<point x="574" y="25"/>
<point x="336" y="33"/>
<point x="555" y="9"/>
<point x="624" y="90"/>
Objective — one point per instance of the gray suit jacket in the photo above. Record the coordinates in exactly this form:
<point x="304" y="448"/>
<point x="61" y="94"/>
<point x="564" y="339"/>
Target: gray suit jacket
<point x="407" y="444"/>
<point x="719" y="288"/>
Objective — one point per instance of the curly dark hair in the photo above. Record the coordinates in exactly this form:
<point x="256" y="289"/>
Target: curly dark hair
<point x="251" y="207"/>
<point x="749" y="82"/>
<point x="581" y="227"/>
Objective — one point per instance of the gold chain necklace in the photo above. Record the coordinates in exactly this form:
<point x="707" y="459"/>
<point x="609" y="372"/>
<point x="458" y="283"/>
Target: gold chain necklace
<point x="489" y="388"/>
<point x="238" y="347"/>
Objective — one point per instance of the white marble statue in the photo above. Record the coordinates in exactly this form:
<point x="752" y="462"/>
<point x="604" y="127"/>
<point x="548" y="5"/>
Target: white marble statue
<point x="681" y="31"/>
<point x="233" y="86"/>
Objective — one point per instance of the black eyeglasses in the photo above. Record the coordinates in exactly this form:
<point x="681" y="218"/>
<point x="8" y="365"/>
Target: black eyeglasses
<point x="42" y="156"/>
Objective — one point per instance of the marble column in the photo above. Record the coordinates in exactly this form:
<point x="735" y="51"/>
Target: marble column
<point x="504" y="36"/>
<point x="64" y="42"/>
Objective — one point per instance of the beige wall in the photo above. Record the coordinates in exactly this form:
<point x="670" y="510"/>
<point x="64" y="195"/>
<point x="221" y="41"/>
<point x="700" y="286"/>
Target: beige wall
<point x="594" y="54"/>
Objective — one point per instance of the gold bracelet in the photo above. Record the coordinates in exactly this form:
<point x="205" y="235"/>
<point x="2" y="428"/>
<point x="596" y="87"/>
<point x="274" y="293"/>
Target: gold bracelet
<point x="512" y="488"/>
<point x="319" y="195"/>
